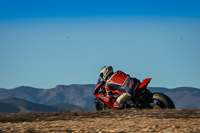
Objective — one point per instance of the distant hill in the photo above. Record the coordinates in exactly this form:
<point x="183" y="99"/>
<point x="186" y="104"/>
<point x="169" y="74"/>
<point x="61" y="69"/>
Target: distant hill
<point x="82" y="95"/>
<point x="15" y="105"/>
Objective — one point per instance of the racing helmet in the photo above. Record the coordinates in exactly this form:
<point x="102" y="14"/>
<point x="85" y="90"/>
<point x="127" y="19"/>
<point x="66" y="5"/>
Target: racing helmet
<point x="105" y="71"/>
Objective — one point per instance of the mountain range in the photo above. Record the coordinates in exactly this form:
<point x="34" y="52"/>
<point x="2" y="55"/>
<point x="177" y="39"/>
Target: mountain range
<point x="15" y="105"/>
<point x="81" y="96"/>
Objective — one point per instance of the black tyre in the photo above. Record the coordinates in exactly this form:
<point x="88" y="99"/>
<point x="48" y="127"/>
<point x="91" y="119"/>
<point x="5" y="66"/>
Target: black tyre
<point x="98" y="105"/>
<point x="161" y="101"/>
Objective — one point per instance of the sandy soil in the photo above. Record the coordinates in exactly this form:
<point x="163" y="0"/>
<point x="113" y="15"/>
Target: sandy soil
<point x="141" y="121"/>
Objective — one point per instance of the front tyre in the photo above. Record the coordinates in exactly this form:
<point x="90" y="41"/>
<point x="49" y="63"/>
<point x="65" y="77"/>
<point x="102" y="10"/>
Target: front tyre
<point x="161" y="101"/>
<point x="98" y="104"/>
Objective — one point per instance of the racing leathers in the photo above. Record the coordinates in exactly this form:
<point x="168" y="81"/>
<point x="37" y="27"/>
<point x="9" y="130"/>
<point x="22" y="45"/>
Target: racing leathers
<point x="123" y="83"/>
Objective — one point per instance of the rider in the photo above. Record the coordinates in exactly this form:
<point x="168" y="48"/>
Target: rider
<point x="118" y="81"/>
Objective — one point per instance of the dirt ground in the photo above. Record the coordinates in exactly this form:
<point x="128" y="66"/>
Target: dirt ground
<point x="141" y="121"/>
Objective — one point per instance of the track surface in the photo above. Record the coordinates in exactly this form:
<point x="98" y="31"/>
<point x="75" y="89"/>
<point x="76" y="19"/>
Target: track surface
<point x="164" y="121"/>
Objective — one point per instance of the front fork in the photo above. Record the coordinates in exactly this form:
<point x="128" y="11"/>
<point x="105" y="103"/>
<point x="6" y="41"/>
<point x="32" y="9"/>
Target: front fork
<point x="100" y="105"/>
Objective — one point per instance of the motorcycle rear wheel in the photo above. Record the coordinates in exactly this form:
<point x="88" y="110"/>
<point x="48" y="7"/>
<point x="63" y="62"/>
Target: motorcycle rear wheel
<point x="161" y="101"/>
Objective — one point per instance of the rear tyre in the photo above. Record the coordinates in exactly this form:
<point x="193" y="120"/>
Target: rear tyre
<point x="161" y="101"/>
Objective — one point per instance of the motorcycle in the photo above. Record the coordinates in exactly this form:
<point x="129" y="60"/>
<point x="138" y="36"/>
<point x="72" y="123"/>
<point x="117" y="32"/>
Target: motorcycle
<point x="142" y="98"/>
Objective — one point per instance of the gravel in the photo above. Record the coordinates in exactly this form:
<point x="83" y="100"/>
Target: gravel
<point x="141" y="121"/>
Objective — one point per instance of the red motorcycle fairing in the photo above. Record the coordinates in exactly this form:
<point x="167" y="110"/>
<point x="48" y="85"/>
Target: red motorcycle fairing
<point x="143" y="85"/>
<point x="145" y="82"/>
<point x="97" y="95"/>
<point x="95" y="90"/>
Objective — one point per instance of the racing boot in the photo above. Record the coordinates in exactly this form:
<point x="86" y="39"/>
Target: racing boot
<point x="116" y="105"/>
<point x="121" y="100"/>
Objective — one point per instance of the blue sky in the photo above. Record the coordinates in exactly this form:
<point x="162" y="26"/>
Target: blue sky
<point x="48" y="43"/>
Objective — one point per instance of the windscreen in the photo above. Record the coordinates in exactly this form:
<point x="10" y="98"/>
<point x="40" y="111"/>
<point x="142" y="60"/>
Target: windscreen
<point x="99" y="80"/>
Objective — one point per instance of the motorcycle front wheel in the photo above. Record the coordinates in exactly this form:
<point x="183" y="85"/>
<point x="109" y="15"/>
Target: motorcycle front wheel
<point x="99" y="105"/>
<point x="161" y="101"/>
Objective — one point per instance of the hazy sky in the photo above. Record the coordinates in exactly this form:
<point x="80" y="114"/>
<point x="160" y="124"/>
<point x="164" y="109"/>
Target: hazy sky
<point x="44" y="43"/>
